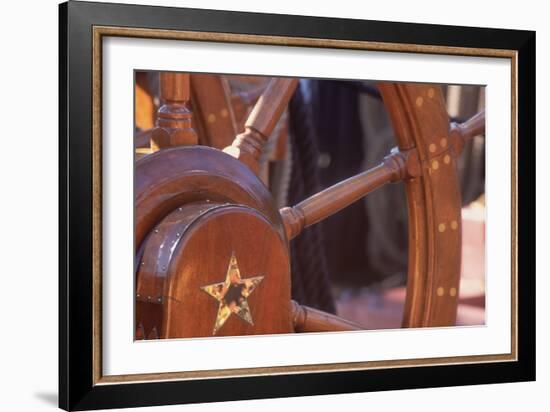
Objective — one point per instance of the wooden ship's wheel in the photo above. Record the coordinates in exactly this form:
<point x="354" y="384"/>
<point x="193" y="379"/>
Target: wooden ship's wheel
<point x="213" y="249"/>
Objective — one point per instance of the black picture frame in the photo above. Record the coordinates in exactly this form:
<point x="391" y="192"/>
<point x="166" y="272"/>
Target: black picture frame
<point x="77" y="390"/>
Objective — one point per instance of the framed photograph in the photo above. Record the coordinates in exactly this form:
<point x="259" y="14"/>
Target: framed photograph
<point x="256" y="205"/>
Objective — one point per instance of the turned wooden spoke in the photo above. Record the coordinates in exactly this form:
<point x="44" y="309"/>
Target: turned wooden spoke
<point x="307" y="319"/>
<point x="462" y="132"/>
<point x="173" y="126"/>
<point x="247" y="146"/>
<point x="397" y="166"/>
<point x="215" y="208"/>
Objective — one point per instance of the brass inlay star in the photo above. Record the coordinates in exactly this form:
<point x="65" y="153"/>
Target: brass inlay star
<point x="232" y="294"/>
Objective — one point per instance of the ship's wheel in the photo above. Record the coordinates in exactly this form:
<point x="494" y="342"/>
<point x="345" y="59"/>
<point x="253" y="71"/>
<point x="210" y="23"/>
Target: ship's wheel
<point x="213" y="249"/>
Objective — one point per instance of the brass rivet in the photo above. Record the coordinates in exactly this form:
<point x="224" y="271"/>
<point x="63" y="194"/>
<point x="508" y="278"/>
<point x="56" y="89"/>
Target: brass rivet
<point x="432" y="148"/>
<point x="431" y="93"/>
<point x="452" y="291"/>
<point x="435" y="165"/>
<point x="454" y="225"/>
<point x="211" y="118"/>
<point x="419" y="101"/>
<point x="443" y="142"/>
<point x="441" y="227"/>
<point x="440" y="291"/>
<point x="224" y="113"/>
<point x="447" y="159"/>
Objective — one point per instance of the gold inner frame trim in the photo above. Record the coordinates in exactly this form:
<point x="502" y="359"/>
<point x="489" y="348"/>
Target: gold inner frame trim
<point x="100" y="31"/>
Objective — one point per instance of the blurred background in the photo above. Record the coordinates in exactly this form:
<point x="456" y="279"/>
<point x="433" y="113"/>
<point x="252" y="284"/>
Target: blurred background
<point x="354" y="263"/>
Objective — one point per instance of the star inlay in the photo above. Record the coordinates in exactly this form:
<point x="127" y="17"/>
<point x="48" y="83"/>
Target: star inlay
<point x="232" y="294"/>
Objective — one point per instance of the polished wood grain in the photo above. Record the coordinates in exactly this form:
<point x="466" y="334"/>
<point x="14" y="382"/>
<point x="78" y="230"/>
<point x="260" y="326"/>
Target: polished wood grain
<point x="473" y="127"/>
<point x="169" y="178"/>
<point x="174" y="187"/>
<point x="203" y="205"/>
<point x="419" y="119"/>
<point x="174" y="119"/>
<point x="213" y="112"/>
<point x="201" y="258"/>
<point x="247" y="146"/>
<point x="307" y="319"/>
<point x="462" y="132"/>
<point x="395" y="167"/>
<point x="248" y="90"/>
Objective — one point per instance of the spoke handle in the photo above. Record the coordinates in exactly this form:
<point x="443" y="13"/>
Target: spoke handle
<point x="395" y="167"/>
<point x="462" y="132"/>
<point x="270" y="106"/>
<point x="474" y="126"/>
<point x="248" y="146"/>
<point x="307" y="319"/>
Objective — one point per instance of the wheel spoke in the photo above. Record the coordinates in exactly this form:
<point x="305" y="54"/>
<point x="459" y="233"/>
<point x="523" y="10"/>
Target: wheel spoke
<point x="307" y="319"/>
<point x="397" y="166"/>
<point x="247" y="146"/>
<point x="174" y="119"/>
<point x="462" y="132"/>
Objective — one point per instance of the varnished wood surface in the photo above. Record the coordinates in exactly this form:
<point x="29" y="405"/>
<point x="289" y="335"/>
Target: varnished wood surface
<point x="246" y="90"/>
<point x="212" y="110"/>
<point x="395" y="167"/>
<point x="420" y="121"/>
<point x="158" y="250"/>
<point x="186" y="178"/>
<point x="167" y="179"/>
<point x="270" y="105"/>
<point x="154" y="264"/>
<point x="307" y="319"/>
<point x="462" y="132"/>
<point x="174" y="119"/>
<point x="191" y="248"/>
<point x="247" y="146"/>
<point x="473" y="126"/>
<point x="202" y="258"/>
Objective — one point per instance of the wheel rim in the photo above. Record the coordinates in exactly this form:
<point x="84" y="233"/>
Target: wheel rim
<point x="420" y="121"/>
